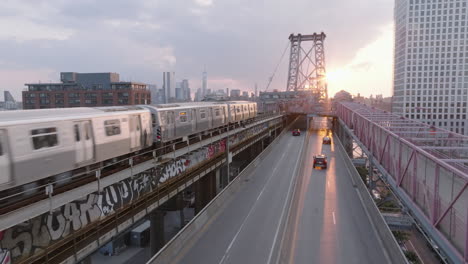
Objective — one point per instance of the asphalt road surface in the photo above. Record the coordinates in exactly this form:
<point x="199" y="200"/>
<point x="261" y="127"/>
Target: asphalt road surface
<point x="289" y="212"/>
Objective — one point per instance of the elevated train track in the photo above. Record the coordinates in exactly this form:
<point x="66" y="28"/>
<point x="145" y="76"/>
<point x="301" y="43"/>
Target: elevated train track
<point x="88" y="239"/>
<point x="19" y="197"/>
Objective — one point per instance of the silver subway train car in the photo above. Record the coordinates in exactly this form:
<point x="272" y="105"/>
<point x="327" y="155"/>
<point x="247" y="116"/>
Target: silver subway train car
<point x="36" y="144"/>
<point x="174" y="121"/>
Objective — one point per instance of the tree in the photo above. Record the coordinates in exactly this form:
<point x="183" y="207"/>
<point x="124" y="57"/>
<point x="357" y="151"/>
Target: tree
<point x="363" y="173"/>
<point x="412" y="257"/>
<point x="401" y="236"/>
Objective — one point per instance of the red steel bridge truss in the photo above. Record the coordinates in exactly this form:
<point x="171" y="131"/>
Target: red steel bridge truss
<point x="426" y="166"/>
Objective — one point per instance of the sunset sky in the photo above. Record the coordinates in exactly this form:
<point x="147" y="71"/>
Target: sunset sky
<point x="238" y="41"/>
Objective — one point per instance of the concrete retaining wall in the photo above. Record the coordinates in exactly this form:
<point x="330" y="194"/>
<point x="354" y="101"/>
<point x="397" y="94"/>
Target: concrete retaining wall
<point x="394" y="252"/>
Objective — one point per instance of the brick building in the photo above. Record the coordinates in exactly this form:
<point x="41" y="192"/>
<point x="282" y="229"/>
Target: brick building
<point x="85" y="90"/>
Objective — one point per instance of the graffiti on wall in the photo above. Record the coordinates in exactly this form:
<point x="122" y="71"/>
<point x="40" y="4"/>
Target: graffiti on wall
<point x="33" y="236"/>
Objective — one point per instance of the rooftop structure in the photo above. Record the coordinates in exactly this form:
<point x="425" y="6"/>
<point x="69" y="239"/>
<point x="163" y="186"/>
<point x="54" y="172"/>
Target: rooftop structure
<point x="85" y="89"/>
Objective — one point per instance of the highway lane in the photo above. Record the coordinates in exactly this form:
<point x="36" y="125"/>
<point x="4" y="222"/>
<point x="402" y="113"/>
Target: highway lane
<point x="327" y="223"/>
<point x="245" y="230"/>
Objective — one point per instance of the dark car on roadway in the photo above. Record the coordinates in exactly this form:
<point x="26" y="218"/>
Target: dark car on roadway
<point x="296" y="132"/>
<point x="327" y="140"/>
<point x="320" y="161"/>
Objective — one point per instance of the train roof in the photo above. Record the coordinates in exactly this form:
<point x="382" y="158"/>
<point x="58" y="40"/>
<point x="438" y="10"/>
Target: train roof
<point x="21" y="116"/>
<point x="172" y="106"/>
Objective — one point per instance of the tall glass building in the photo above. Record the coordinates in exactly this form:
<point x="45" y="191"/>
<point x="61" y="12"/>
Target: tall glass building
<point x="431" y="62"/>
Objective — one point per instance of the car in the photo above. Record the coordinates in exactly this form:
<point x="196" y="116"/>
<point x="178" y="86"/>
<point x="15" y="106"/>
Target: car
<point x="320" y="161"/>
<point x="296" y="132"/>
<point x="327" y="140"/>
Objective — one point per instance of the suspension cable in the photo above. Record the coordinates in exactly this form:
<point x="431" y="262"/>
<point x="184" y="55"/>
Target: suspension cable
<point x="277" y="65"/>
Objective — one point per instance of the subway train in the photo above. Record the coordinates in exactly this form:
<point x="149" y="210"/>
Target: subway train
<point x="36" y="144"/>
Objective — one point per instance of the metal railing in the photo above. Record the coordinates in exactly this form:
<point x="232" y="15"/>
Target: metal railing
<point x="427" y="166"/>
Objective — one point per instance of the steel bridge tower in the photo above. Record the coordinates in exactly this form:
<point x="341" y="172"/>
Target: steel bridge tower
<point x="307" y="65"/>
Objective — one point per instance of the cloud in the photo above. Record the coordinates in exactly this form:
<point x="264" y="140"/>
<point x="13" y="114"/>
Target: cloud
<point x="239" y="40"/>
<point x="204" y="2"/>
<point x="23" y="30"/>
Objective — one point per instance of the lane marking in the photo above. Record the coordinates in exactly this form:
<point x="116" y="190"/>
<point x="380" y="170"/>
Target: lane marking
<point x="284" y="206"/>
<point x="226" y="253"/>
<point x="334" y="220"/>
<point x="415" y="251"/>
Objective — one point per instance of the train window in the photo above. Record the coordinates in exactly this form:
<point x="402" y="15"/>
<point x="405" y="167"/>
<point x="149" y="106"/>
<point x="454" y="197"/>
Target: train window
<point x="217" y="112"/>
<point x="77" y="133"/>
<point x="238" y="109"/>
<point x="112" y="127"/>
<point x="44" y="137"/>
<point x="183" y="117"/>
<point x="153" y="119"/>
<point x="202" y="114"/>
<point x="87" y="131"/>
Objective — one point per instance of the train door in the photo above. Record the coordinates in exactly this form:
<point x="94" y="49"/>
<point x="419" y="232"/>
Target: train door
<point x="135" y="131"/>
<point x="4" y="159"/>
<point x="83" y="141"/>
<point x="210" y="117"/>
<point x="193" y="119"/>
<point x="232" y="113"/>
<point x="171" y="124"/>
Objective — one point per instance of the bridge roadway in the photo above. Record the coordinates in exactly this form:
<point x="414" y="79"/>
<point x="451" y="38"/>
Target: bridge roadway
<point x="277" y="217"/>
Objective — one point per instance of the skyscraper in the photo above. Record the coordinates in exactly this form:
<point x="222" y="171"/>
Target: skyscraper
<point x="169" y="86"/>
<point x="431" y="62"/>
<point x="204" y="83"/>
<point x="186" y="90"/>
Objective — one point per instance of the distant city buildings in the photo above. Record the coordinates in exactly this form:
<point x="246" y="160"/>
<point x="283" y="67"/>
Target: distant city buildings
<point x="9" y="102"/>
<point x="169" y="87"/>
<point x="204" y="84"/>
<point x="343" y="96"/>
<point x="85" y="90"/>
<point x="431" y="63"/>
<point x="198" y="95"/>
<point x="235" y="93"/>
<point x="154" y="92"/>
<point x="185" y="90"/>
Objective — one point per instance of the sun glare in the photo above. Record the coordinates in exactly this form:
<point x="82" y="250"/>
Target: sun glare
<point x="337" y="75"/>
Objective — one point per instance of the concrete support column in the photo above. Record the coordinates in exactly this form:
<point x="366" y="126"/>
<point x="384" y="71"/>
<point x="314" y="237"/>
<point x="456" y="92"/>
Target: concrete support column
<point x="218" y="180"/>
<point x="198" y="196"/>
<point x="156" y="231"/>
<point x="224" y="177"/>
<point x="253" y="153"/>
<point x="180" y="206"/>
<point x="205" y="190"/>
